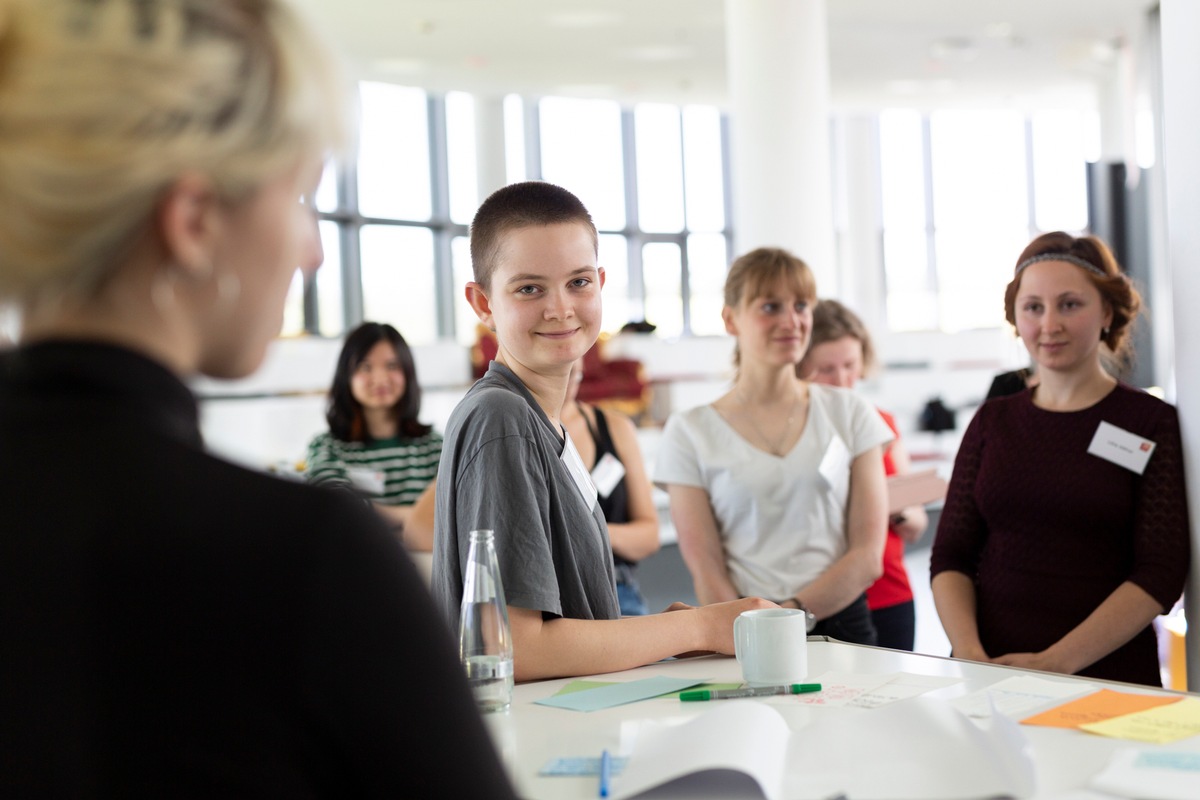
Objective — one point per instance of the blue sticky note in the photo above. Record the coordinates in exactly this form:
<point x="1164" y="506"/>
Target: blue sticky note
<point x="1172" y="760"/>
<point x="580" y="765"/>
<point x="618" y="694"/>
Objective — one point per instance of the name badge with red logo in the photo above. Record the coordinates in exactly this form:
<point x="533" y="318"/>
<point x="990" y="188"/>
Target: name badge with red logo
<point x="1121" y="447"/>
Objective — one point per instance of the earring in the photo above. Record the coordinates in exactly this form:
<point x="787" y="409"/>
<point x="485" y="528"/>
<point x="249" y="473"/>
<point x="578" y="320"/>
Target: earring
<point x="1104" y="332"/>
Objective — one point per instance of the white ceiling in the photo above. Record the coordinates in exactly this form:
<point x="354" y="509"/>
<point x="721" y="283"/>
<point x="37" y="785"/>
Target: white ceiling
<point x="883" y="53"/>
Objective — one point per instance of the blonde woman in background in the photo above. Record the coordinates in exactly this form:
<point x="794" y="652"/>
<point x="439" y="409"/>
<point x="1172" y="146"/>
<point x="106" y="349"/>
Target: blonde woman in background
<point x="777" y="488"/>
<point x="840" y="354"/>
<point x="173" y="625"/>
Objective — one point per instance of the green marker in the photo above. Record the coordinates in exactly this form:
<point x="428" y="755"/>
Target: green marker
<point x="749" y="691"/>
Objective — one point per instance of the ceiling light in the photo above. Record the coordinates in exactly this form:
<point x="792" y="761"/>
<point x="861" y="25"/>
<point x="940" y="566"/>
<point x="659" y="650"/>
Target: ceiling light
<point x="658" y="53"/>
<point x="954" y="48"/>
<point x="999" y="30"/>
<point x="583" y="19"/>
<point x="400" y="66"/>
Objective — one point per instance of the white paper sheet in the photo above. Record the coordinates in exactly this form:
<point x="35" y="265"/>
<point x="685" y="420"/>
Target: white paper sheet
<point x="711" y="755"/>
<point x="871" y="691"/>
<point x="899" y="742"/>
<point x="1020" y="696"/>
<point x="742" y="747"/>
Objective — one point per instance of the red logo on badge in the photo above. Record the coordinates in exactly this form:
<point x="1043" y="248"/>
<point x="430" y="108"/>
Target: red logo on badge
<point x="1145" y="447"/>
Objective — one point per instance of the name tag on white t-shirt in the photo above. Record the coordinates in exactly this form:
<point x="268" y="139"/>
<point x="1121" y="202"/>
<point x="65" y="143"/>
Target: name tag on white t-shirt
<point x="1121" y="447"/>
<point x="607" y="474"/>
<point x="835" y="467"/>
<point x="366" y="480"/>
<point x="579" y="473"/>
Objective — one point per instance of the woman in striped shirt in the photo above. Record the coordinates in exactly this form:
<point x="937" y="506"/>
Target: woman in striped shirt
<point x="375" y="444"/>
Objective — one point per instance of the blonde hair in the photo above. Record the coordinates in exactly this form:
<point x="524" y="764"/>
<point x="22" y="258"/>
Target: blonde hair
<point x="762" y="270"/>
<point x="105" y="103"/>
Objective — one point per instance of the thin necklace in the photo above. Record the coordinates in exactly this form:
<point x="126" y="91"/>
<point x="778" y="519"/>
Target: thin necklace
<point x="778" y="448"/>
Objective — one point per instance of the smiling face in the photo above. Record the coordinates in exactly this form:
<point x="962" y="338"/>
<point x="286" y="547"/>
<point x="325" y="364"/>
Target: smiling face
<point x="836" y="363"/>
<point x="772" y="328"/>
<point x="378" y="381"/>
<point x="1060" y="315"/>
<point x="544" y="299"/>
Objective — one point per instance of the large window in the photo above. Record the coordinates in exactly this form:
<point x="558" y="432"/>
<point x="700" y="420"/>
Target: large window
<point x="963" y="193"/>
<point x="394" y="223"/>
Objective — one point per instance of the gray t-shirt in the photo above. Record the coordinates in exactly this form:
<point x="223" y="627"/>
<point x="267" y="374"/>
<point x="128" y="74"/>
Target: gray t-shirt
<point x="502" y="469"/>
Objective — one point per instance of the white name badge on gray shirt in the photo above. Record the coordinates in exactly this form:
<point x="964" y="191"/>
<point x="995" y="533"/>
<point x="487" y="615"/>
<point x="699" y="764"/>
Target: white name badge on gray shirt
<point x="1121" y="447"/>
<point x="607" y="474"/>
<point x="366" y="480"/>
<point x="579" y="473"/>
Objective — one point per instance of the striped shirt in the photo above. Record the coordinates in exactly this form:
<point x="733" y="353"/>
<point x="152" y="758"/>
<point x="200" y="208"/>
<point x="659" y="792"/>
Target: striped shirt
<point x="393" y="472"/>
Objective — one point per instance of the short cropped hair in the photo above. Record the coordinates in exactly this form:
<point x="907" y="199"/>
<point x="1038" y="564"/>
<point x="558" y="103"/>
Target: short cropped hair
<point x="105" y="103"/>
<point x="833" y="321"/>
<point x="521" y="205"/>
<point x="1115" y="287"/>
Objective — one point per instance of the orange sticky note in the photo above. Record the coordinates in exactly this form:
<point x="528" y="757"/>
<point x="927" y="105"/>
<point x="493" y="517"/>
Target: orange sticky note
<point x="1097" y="707"/>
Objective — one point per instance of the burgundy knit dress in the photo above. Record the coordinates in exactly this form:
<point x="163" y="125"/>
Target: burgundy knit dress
<point x="1047" y="531"/>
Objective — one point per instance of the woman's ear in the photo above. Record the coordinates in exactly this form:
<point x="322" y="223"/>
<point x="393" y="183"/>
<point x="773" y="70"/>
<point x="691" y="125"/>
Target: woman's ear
<point x="727" y="318"/>
<point x="189" y="222"/>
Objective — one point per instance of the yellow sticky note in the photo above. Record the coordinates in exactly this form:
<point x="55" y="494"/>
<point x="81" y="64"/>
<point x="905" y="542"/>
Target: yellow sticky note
<point x="1159" y="725"/>
<point x="1097" y="707"/>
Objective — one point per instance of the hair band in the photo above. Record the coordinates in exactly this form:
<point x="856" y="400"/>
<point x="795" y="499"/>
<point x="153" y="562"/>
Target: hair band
<point x="1067" y="257"/>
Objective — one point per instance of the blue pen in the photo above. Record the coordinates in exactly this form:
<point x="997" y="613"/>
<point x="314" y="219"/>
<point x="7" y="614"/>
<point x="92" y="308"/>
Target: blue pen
<point x="605" y="772"/>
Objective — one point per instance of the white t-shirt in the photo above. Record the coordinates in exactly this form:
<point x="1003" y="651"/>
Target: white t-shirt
<point x="782" y="519"/>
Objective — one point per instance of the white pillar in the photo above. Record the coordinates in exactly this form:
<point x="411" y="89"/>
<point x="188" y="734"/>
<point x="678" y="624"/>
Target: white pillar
<point x="1116" y="110"/>
<point x="1181" y="160"/>
<point x="778" y="65"/>
<point x="490" y="168"/>
<point x="860" y="214"/>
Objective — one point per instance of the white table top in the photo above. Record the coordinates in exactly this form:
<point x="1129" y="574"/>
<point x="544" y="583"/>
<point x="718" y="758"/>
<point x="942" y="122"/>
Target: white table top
<point x="529" y="735"/>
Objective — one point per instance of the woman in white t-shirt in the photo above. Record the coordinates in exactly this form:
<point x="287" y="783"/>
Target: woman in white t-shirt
<point x="777" y="488"/>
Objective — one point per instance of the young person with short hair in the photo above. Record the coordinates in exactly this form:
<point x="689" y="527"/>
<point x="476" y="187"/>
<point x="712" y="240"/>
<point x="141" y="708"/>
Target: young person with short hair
<point x="508" y="465"/>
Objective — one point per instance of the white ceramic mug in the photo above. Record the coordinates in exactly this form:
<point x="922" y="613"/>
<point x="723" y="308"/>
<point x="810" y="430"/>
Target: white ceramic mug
<point x="772" y="646"/>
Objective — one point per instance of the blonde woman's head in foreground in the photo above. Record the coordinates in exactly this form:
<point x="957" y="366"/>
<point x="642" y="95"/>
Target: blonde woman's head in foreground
<point x="106" y="106"/>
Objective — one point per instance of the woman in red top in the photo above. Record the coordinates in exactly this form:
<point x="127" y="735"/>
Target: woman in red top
<point x="839" y="355"/>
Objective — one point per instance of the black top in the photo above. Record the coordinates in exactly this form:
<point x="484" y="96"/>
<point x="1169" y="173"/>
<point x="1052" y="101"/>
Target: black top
<point x="1007" y="383"/>
<point x="172" y="625"/>
<point x="616" y="505"/>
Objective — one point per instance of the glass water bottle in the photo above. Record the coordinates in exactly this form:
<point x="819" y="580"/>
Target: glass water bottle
<point x="484" y="639"/>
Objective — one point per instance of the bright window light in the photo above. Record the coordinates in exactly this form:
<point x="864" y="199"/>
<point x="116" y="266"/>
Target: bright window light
<point x="393" y="159"/>
<point x="581" y="151"/>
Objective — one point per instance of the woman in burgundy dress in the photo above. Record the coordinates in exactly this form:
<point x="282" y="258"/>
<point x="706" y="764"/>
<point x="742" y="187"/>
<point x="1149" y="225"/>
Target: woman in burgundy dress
<point x="1065" y="529"/>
